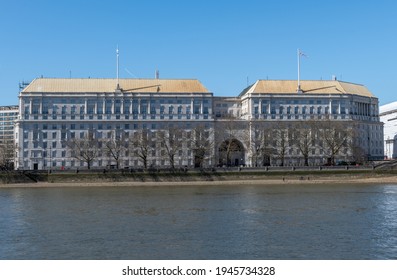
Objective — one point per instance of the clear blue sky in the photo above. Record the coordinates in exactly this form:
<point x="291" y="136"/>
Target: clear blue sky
<point x="221" y="43"/>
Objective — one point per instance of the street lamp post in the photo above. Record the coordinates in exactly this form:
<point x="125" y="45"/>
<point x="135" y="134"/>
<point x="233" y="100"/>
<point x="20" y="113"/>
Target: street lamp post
<point x="50" y="161"/>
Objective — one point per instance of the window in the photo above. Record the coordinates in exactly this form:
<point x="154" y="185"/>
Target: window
<point x="153" y="109"/>
<point x="108" y="106"/>
<point x="99" y="108"/>
<point x="117" y="106"/>
<point x="73" y="112"/>
<point x="196" y="109"/>
<point x="281" y="110"/>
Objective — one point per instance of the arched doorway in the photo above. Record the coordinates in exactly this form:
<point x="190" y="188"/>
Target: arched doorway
<point x="231" y="153"/>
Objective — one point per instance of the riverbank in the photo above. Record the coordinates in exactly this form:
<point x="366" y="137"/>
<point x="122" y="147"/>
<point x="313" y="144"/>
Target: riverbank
<point x="206" y="179"/>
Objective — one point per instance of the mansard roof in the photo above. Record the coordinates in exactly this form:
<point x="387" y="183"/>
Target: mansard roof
<point x="307" y="87"/>
<point x="88" y="85"/>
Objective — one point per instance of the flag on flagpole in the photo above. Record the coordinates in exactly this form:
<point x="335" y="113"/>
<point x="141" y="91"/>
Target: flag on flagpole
<point x="302" y="54"/>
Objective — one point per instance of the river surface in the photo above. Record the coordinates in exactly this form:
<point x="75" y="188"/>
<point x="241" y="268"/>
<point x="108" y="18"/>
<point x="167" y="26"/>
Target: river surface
<point x="200" y="222"/>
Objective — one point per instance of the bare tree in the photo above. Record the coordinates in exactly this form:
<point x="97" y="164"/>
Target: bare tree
<point x="7" y="151"/>
<point x="335" y="135"/>
<point x="303" y="133"/>
<point x="260" y="143"/>
<point x="84" y="149"/>
<point x="202" y="140"/>
<point x="357" y="153"/>
<point x="171" y="140"/>
<point x="141" y="145"/>
<point x="281" y="140"/>
<point x="115" y="145"/>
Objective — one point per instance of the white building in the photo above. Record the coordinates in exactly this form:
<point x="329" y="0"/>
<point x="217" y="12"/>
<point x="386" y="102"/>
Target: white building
<point x="206" y="130"/>
<point x="53" y="111"/>
<point x="277" y="102"/>
<point x="8" y="114"/>
<point x="388" y="115"/>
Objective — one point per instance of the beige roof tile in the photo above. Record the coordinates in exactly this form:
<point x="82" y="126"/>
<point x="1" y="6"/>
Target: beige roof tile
<point x="109" y="85"/>
<point x="308" y="87"/>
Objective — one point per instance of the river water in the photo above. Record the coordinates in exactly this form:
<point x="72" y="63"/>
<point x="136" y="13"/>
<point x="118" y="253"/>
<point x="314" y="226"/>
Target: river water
<point x="200" y="222"/>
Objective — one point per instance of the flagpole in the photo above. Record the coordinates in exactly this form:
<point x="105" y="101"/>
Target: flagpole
<point x="299" y="72"/>
<point x="117" y="66"/>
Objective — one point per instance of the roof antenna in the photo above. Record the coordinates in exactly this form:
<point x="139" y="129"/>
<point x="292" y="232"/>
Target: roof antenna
<point x="117" y="66"/>
<point x="157" y="74"/>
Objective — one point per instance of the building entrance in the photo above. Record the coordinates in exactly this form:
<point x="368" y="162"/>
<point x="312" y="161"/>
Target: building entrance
<point x="231" y="153"/>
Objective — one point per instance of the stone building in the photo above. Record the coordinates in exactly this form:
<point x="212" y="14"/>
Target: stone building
<point x="160" y="123"/>
<point x="349" y="105"/>
<point x="388" y="115"/>
<point x="8" y="114"/>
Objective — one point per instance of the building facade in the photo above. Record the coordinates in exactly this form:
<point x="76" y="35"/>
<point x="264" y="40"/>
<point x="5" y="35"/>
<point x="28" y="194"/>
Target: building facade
<point x="54" y="112"/>
<point x="388" y="115"/>
<point x="8" y="114"/>
<point x="350" y="107"/>
<point x="159" y="123"/>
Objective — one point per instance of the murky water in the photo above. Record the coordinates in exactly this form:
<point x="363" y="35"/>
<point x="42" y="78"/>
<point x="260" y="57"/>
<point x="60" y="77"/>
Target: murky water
<point x="196" y="222"/>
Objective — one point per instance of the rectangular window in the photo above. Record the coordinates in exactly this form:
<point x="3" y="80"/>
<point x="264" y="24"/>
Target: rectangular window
<point x="196" y="109"/>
